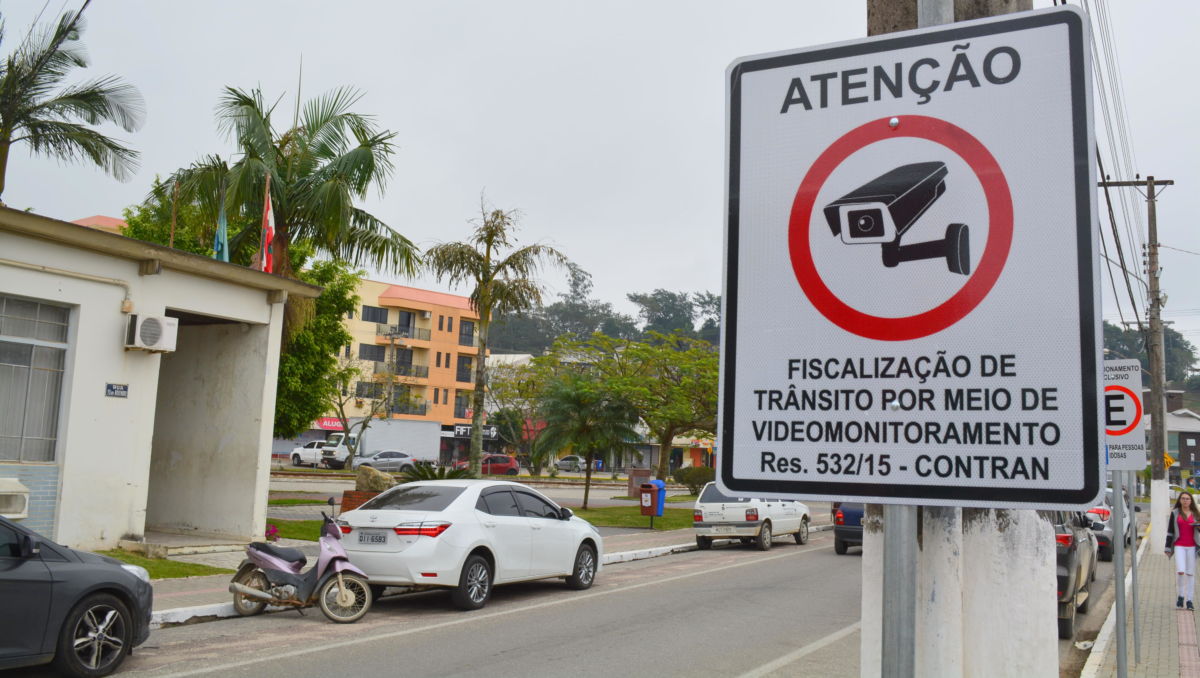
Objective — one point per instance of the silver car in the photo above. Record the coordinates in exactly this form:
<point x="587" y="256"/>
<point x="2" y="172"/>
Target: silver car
<point x="387" y="460"/>
<point x="571" y="462"/>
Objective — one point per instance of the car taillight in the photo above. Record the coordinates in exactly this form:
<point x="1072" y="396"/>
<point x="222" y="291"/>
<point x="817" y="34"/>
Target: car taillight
<point x="1103" y="513"/>
<point x="1065" y="539"/>
<point x="344" y="527"/>
<point x="421" y="529"/>
<point x="697" y="516"/>
<point x="839" y="518"/>
<point x="751" y="515"/>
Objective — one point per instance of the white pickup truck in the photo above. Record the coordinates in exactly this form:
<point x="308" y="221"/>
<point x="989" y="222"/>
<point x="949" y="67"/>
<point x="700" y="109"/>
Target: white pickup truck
<point x="753" y="521"/>
<point x="308" y="454"/>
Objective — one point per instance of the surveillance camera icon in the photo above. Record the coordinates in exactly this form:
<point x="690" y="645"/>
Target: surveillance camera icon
<point x="883" y="209"/>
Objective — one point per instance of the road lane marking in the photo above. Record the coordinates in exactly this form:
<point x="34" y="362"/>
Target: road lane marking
<point x="276" y="656"/>
<point x="791" y="657"/>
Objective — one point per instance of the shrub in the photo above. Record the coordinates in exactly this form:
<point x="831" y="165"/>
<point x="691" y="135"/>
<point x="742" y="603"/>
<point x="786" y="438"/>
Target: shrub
<point x="426" y="472"/>
<point x="694" y="477"/>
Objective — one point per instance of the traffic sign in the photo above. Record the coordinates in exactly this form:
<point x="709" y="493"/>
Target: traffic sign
<point x="910" y="313"/>
<point x="1123" y="427"/>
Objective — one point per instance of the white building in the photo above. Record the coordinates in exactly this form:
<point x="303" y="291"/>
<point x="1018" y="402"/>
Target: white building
<point x="113" y="443"/>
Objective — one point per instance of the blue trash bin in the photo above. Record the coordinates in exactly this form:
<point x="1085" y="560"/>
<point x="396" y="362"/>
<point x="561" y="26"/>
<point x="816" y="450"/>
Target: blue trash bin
<point x="662" y="496"/>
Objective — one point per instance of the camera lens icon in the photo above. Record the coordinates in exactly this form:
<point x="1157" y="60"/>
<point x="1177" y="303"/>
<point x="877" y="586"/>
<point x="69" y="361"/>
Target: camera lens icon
<point x="866" y="223"/>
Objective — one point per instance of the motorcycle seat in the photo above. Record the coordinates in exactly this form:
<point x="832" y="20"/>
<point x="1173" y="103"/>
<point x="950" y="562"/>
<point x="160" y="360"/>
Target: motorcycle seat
<point x="282" y="552"/>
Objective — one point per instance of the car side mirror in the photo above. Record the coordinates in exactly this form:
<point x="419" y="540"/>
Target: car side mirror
<point x="1098" y="526"/>
<point x="565" y="513"/>
<point x="29" y="546"/>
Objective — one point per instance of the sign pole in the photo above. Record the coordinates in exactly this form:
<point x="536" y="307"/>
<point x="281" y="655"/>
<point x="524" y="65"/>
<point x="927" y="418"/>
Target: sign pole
<point x="1133" y="565"/>
<point x="1119" y="576"/>
<point x="898" y="653"/>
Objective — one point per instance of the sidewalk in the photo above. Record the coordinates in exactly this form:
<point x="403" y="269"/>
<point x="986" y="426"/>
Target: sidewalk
<point x="179" y="601"/>
<point x="1168" y="635"/>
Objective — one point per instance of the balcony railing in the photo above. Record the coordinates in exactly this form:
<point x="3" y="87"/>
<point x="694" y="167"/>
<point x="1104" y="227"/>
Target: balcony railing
<point x="401" y="370"/>
<point x="418" y="408"/>
<point x="460" y="411"/>
<point x="468" y="340"/>
<point x="465" y="376"/>
<point x="402" y="332"/>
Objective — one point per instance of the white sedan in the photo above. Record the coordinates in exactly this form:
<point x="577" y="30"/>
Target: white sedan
<point x="469" y="535"/>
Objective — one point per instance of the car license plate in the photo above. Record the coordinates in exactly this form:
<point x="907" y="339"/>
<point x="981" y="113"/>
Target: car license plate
<point x="372" y="537"/>
<point x="723" y="528"/>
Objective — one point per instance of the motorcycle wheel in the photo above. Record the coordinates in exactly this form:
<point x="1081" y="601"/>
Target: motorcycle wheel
<point x="245" y="605"/>
<point x="355" y="599"/>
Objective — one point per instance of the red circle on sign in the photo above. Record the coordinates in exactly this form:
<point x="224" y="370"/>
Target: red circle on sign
<point x="1136" y="401"/>
<point x="995" y="253"/>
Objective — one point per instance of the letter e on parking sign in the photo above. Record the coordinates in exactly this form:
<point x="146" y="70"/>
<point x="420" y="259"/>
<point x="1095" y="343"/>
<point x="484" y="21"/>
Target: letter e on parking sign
<point x="910" y="309"/>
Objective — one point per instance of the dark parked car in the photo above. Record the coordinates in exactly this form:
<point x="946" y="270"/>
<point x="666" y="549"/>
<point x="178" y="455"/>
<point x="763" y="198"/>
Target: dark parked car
<point x="1075" y="565"/>
<point x="847" y="526"/>
<point x="82" y="611"/>
<point x="495" y="465"/>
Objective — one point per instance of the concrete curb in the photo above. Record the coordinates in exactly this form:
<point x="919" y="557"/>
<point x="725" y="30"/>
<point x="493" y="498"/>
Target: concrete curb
<point x="1099" y="650"/>
<point x="203" y="613"/>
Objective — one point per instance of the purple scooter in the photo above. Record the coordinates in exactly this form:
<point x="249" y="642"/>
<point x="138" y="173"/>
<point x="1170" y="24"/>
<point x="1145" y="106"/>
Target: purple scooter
<point x="271" y="575"/>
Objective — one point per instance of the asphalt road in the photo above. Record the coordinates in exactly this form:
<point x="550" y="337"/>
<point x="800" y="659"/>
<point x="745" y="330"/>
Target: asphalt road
<point x="731" y="611"/>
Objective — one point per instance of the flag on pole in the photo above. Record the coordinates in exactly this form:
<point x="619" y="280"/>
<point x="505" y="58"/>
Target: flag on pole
<point x="268" y="230"/>
<point x="221" y="239"/>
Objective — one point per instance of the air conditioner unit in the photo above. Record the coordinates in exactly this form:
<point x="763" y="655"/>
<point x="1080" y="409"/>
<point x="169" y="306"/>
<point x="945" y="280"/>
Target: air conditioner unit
<point x="426" y="314"/>
<point x="153" y="333"/>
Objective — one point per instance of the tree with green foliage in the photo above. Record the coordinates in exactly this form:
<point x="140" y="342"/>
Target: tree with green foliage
<point x="194" y="225"/>
<point x="330" y="158"/>
<point x="308" y="366"/>
<point x="502" y="281"/>
<point x="57" y="120"/>
<point x="586" y="414"/>
<point x="514" y="392"/>
<point x="671" y="381"/>
<point x="665" y="312"/>
<point x="708" y="309"/>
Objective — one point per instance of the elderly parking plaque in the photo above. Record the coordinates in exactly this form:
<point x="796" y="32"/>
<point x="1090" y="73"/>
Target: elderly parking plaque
<point x="910" y="313"/>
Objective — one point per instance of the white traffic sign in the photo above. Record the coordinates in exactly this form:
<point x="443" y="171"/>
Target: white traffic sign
<point x="1124" y="431"/>
<point x="910" y="313"/>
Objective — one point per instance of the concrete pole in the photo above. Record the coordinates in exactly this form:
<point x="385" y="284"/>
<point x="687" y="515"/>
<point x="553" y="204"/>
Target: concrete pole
<point x="992" y="565"/>
<point x="1159" y="495"/>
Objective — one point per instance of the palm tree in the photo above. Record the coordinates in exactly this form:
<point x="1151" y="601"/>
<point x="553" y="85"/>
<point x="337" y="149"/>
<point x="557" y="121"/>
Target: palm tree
<point x="36" y="109"/>
<point x="502" y="283"/>
<point x="582" y="413"/>
<point x="319" y="166"/>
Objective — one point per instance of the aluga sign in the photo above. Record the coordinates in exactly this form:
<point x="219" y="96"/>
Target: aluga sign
<point x="910" y="313"/>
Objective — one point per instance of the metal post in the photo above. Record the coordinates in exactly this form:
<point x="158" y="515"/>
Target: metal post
<point x="1154" y="348"/>
<point x="898" y="654"/>
<point x="1133" y="565"/>
<point x="1119" y="575"/>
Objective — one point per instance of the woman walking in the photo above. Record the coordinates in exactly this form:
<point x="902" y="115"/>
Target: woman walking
<point x="1181" y="542"/>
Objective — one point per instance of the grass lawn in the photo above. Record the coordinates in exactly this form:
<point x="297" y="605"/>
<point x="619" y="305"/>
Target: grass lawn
<point x="308" y="530"/>
<point x="296" y="502"/>
<point x="673" y="499"/>
<point x="161" y="568"/>
<point x="631" y="516"/>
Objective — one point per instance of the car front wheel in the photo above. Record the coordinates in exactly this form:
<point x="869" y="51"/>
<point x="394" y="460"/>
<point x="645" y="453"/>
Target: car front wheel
<point x="584" y="572"/>
<point x="802" y="533"/>
<point x="512" y="472"/>
<point x="474" y="584"/>
<point x="295" y="460"/>
<point x="95" y="637"/>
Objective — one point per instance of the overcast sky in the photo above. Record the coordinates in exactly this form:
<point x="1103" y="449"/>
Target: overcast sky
<point x="603" y="122"/>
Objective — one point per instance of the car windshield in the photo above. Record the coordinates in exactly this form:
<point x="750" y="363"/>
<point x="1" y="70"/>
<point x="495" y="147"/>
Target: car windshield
<point x="711" y="495"/>
<point x="414" y="498"/>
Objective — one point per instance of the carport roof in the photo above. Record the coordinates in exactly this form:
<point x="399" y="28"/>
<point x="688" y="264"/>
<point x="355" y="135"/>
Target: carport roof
<point x="73" y="235"/>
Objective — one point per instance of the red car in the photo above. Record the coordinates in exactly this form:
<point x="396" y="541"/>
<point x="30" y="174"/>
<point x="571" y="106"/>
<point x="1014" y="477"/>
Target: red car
<point x="496" y="465"/>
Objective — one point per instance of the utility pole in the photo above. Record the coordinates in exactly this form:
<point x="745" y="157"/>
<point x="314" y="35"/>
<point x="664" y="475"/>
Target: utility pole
<point x="1155" y="350"/>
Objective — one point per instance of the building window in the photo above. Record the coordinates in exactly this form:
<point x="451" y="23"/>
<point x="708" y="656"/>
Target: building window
<point x="462" y="404"/>
<point x="407" y="321"/>
<point x="372" y="352"/>
<point x="441" y="322"/>
<point x="446" y="396"/>
<point x="374" y="314"/>
<point x="33" y="349"/>
<point x="435" y="396"/>
<point x="450" y="324"/>
<point x="347" y="354"/>
<point x="439" y="358"/>
<point x="464" y="368"/>
<point x="466" y="333"/>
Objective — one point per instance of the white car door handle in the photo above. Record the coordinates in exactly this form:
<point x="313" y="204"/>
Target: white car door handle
<point x="487" y="524"/>
<point x="537" y="527"/>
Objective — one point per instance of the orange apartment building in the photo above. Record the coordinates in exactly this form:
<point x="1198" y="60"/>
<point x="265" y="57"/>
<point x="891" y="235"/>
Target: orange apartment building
<point x="426" y="343"/>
